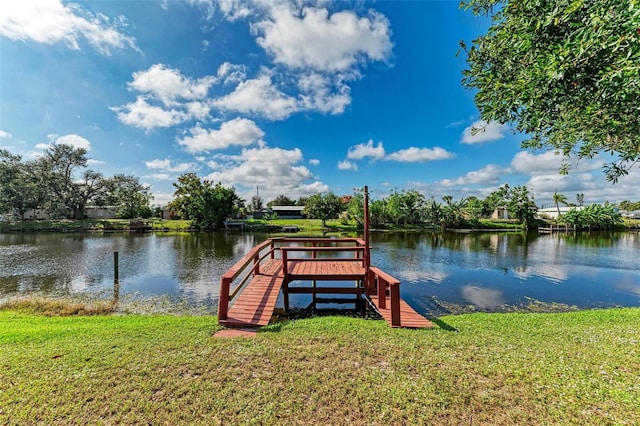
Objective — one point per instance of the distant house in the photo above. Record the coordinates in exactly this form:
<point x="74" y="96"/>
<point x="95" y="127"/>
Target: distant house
<point x="258" y="214"/>
<point x="635" y="214"/>
<point x="35" y="214"/>
<point x="552" y="212"/>
<point x="288" y="212"/>
<point x="90" y="212"/>
<point x="96" y="212"/>
<point x="500" y="213"/>
<point x="283" y="212"/>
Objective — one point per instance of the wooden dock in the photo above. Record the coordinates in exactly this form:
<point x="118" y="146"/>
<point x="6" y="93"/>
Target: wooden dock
<point x="270" y="267"/>
<point x="250" y="289"/>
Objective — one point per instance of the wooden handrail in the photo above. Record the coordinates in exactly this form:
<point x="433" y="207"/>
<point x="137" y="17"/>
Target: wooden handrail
<point x="253" y="257"/>
<point x="385" y="280"/>
<point x="300" y="248"/>
<point x="319" y="240"/>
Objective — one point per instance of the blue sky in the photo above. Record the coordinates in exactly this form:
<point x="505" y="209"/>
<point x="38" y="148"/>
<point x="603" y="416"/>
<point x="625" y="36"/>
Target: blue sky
<point x="292" y="97"/>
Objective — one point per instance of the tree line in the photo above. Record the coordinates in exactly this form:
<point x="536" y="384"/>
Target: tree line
<point x="60" y="183"/>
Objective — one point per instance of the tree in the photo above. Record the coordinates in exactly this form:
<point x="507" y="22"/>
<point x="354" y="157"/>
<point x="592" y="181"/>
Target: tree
<point x="130" y="195"/>
<point x="593" y="216"/>
<point x="281" y="200"/>
<point x="580" y="199"/>
<point x="497" y="198"/>
<point x="453" y="211"/>
<point x="406" y="206"/>
<point x="206" y="205"/>
<point x="562" y="72"/>
<point x="18" y="189"/>
<point x="66" y="188"/>
<point x="557" y="199"/>
<point x="323" y="207"/>
<point x="435" y="213"/>
<point x="475" y="207"/>
<point x="378" y="212"/>
<point x="256" y="203"/>
<point x="355" y="209"/>
<point x="521" y="205"/>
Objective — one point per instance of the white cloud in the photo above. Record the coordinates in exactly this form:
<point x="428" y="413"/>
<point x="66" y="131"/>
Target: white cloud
<point x="231" y="73"/>
<point x="319" y="93"/>
<point x="92" y="162"/>
<point x="235" y="9"/>
<point x="347" y="165"/>
<point x="162" y="198"/>
<point x="260" y="97"/>
<point x="274" y="170"/>
<point x="168" y="165"/>
<point x="159" y="176"/>
<point x="169" y="85"/>
<point x="455" y="124"/>
<point x="50" y="22"/>
<point x="314" y="39"/>
<point x="419" y="155"/>
<point x="4" y="134"/>
<point x="366" y="150"/>
<point x="540" y="164"/>
<point x="141" y="114"/>
<point x="481" y="131"/>
<point x="73" y="140"/>
<point x="314" y="161"/>
<point x="239" y="131"/>
<point x="490" y="174"/>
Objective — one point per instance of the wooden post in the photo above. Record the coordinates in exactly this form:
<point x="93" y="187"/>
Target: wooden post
<point x="394" y="296"/>
<point x="256" y="263"/>
<point x="273" y="251"/>
<point x="366" y="255"/>
<point x="367" y="260"/>
<point x="285" y="272"/>
<point x="116" y="293"/>
<point x="115" y="266"/>
<point x="314" y="296"/>
<point x="223" y="300"/>
<point x="382" y="293"/>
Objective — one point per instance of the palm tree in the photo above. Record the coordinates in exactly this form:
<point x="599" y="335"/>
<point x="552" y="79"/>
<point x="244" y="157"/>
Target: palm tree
<point x="557" y="199"/>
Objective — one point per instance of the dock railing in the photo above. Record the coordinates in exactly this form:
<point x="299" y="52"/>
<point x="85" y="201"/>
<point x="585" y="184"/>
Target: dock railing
<point x="378" y="284"/>
<point x="322" y="245"/>
<point x="383" y="282"/>
<point x="253" y="259"/>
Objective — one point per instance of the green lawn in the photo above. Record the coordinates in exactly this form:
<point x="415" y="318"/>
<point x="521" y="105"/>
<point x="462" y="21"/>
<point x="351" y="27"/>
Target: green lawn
<point x="572" y="368"/>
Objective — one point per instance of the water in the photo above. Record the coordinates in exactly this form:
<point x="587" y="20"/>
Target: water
<point x="484" y="271"/>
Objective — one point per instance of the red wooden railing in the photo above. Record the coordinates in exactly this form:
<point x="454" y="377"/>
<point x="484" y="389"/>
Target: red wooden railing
<point x="381" y="281"/>
<point x="253" y="258"/>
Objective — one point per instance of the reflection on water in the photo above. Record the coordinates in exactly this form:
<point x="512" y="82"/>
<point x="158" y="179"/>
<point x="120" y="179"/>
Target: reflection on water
<point x="482" y="298"/>
<point x="183" y="265"/>
<point x="485" y="270"/>
<point x="488" y="270"/>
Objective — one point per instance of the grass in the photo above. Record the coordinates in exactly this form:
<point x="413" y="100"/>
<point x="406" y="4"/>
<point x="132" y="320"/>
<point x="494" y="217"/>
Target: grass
<point x="571" y="368"/>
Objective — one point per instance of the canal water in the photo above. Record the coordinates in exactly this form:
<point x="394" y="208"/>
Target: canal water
<point x="440" y="272"/>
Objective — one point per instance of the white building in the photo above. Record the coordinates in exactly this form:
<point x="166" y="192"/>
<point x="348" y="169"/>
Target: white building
<point x="552" y="212"/>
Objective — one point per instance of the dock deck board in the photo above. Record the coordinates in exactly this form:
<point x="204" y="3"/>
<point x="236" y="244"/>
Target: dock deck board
<point x="257" y="301"/>
<point x="326" y="270"/>
<point x="408" y="317"/>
